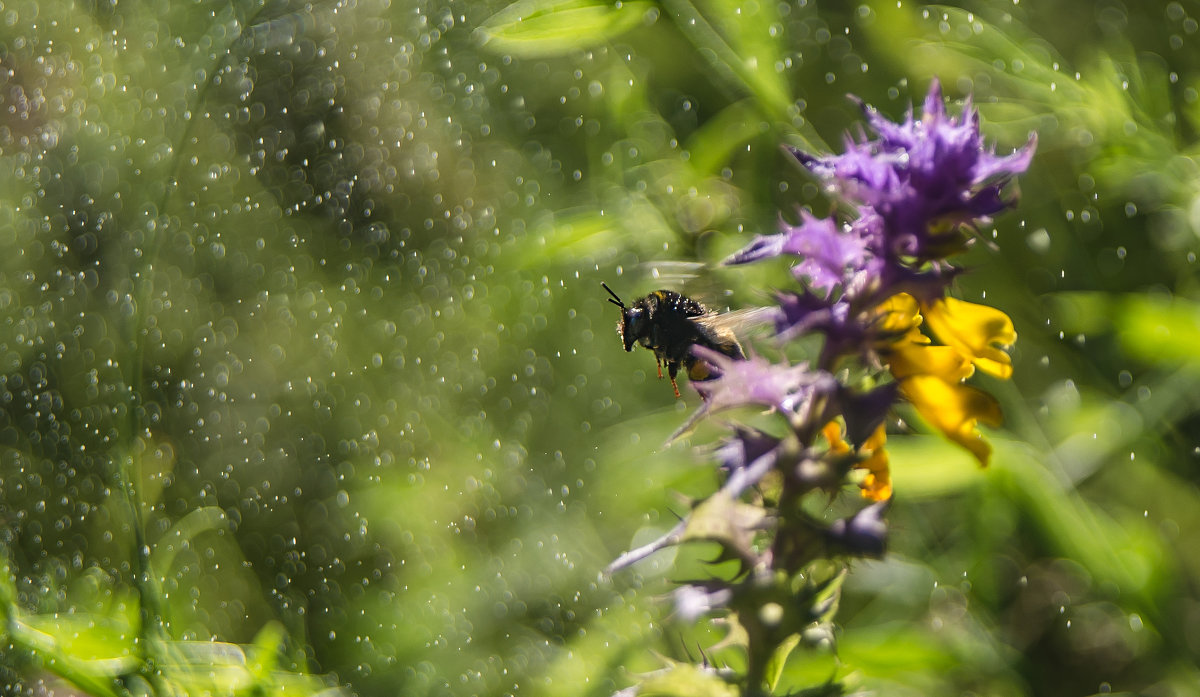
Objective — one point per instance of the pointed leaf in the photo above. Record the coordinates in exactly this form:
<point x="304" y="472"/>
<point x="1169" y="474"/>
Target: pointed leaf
<point x="532" y="28"/>
<point x="779" y="659"/>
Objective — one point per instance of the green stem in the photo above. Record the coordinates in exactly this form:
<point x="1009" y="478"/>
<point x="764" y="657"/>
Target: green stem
<point x="128" y="470"/>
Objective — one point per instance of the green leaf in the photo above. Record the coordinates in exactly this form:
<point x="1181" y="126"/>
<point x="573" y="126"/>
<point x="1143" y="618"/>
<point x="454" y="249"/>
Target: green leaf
<point x="713" y="144"/>
<point x="779" y="659"/>
<point x="217" y="667"/>
<point x="566" y="234"/>
<point x="686" y="680"/>
<point x="728" y="522"/>
<point x="264" y="656"/>
<point x="97" y="645"/>
<point x="184" y="533"/>
<point x="85" y="649"/>
<point x="8" y="588"/>
<point x="890" y="651"/>
<point x="199" y="666"/>
<point x="827" y="596"/>
<point x="741" y="43"/>
<point x="532" y="28"/>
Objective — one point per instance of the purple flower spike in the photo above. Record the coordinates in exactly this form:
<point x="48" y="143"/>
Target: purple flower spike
<point x="923" y="177"/>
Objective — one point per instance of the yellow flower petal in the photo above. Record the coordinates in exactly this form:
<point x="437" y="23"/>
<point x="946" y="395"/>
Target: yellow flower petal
<point x="833" y="433"/>
<point x="898" y="315"/>
<point x="907" y="357"/>
<point x="955" y="410"/>
<point x="877" y="485"/>
<point x="978" y="332"/>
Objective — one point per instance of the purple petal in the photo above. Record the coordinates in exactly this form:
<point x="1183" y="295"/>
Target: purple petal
<point x="864" y="411"/>
<point x="745" y="446"/>
<point x="863" y="533"/>
<point x="802" y="313"/>
<point x="756" y="381"/>
<point x="1013" y="164"/>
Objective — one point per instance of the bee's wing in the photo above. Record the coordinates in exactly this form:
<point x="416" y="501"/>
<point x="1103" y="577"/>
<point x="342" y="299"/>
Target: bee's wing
<point x="738" y="321"/>
<point x="692" y="279"/>
<point x="672" y="274"/>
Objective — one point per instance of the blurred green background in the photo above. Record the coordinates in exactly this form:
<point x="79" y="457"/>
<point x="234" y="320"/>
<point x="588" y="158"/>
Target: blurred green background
<point x="307" y="380"/>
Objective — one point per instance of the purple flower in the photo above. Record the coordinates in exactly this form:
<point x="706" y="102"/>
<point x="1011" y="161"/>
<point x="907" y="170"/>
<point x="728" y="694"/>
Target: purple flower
<point x="756" y="381"/>
<point x="915" y="187"/>
<point x="925" y="177"/>
<point x="802" y="313"/>
<point x="826" y="251"/>
<point x="926" y="284"/>
<point x="805" y="313"/>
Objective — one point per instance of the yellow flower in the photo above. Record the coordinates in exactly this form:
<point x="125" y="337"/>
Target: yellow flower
<point x="978" y="332"/>
<point x="908" y="351"/>
<point x="877" y="484"/>
<point x="955" y="410"/>
<point x="910" y="357"/>
<point x="898" y="315"/>
<point x="931" y="376"/>
<point x="833" y="433"/>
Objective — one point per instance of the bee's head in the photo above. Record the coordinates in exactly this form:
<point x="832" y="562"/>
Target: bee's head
<point x="631" y="321"/>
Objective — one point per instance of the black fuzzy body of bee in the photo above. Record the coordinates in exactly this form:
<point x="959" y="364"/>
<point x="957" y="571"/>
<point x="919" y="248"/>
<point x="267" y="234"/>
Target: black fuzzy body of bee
<point x="669" y="324"/>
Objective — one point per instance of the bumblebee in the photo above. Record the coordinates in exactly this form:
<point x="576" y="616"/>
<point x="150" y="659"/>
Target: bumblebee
<point x="669" y="324"/>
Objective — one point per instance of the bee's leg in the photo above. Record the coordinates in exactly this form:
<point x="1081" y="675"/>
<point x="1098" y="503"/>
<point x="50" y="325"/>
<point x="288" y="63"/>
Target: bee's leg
<point x="673" y="370"/>
<point x="658" y="364"/>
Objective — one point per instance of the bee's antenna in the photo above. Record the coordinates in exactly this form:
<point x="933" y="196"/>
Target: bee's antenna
<point x="615" y="299"/>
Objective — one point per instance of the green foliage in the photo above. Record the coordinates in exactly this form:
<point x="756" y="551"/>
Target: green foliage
<point x="307" y="380"/>
<point x="533" y="28"/>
